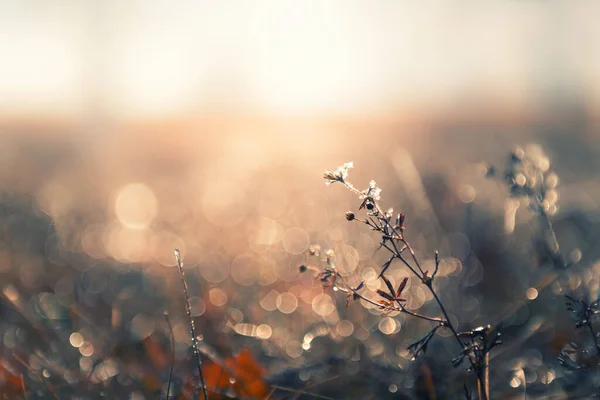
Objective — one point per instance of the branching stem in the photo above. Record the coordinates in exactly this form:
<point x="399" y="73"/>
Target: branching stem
<point x="379" y="221"/>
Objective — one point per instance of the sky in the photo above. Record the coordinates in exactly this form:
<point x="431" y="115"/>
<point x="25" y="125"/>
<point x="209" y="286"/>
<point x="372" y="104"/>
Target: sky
<point x="143" y="59"/>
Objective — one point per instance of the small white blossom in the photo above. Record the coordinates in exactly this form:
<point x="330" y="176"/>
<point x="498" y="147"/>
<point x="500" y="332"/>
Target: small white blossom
<point x="340" y="174"/>
<point x="372" y="192"/>
<point x="343" y="170"/>
<point x="376" y="194"/>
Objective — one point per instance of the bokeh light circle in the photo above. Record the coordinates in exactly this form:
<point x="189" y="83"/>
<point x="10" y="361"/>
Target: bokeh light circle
<point x="245" y="269"/>
<point x="136" y="206"/>
<point x="214" y="267"/>
<point x="295" y="240"/>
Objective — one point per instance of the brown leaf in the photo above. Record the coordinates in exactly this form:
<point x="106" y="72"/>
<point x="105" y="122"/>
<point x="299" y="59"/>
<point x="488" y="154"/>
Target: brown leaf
<point x="401" y="286"/>
<point x="389" y="285"/>
<point x="385" y="295"/>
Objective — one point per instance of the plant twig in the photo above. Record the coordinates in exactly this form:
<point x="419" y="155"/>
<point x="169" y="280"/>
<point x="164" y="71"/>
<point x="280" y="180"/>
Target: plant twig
<point x="270" y="394"/>
<point x="594" y="336"/>
<point x="39" y="378"/>
<point x="188" y="310"/>
<point x="486" y="376"/>
<point x="553" y="247"/>
<point x="172" y="354"/>
<point x="392" y="236"/>
<point x="312" y="385"/>
<point x="23" y="386"/>
<point x="317" y="396"/>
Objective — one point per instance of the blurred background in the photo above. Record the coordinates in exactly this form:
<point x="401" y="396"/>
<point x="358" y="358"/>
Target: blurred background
<point x="128" y="129"/>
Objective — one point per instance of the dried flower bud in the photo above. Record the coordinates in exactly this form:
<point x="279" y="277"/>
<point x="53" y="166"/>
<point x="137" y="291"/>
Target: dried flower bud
<point x="303" y="268"/>
<point x="370" y="205"/>
<point x="314" y="250"/>
<point x="350" y="216"/>
<point x="517" y="155"/>
<point x="400" y="221"/>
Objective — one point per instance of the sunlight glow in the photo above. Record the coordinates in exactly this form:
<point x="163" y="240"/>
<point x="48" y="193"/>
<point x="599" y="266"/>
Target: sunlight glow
<point x="136" y="206"/>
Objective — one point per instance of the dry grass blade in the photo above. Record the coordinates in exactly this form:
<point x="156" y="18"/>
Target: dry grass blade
<point x="316" y="396"/>
<point x="39" y="378"/>
<point x="188" y="310"/>
<point x="23" y="386"/>
<point x="172" y="354"/>
<point x="316" y="384"/>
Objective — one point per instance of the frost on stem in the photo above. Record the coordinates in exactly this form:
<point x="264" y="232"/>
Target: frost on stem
<point x="188" y="310"/>
<point x="528" y="175"/>
<point x="583" y="314"/>
<point x="475" y="345"/>
<point x="339" y="175"/>
<point x="529" y="178"/>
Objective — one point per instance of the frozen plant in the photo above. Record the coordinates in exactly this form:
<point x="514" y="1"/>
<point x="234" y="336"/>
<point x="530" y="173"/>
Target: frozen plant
<point x="529" y="178"/>
<point x="474" y="345"/>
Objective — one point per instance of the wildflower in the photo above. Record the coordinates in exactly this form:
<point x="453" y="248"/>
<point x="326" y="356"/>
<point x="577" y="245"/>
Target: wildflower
<point x="372" y="192"/>
<point x="314" y="250"/>
<point x="400" y="222"/>
<point x="330" y="254"/>
<point x="339" y="175"/>
<point x="370" y="196"/>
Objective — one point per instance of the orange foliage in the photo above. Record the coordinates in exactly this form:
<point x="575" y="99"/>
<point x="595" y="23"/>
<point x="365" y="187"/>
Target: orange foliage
<point x="243" y="373"/>
<point x="10" y="384"/>
<point x="155" y="352"/>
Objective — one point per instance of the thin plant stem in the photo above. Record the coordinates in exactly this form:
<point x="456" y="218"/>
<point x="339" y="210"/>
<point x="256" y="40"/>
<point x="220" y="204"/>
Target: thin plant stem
<point x="39" y="378"/>
<point x="172" y="354"/>
<point x="559" y="260"/>
<point x="188" y="310"/>
<point x="594" y="336"/>
<point x="270" y="394"/>
<point x="379" y="221"/>
<point x="446" y="322"/>
<point x="402" y="309"/>
<point x="482" y="381"/>
<point x="23" y="388"/>
<point x="217" y="386"/>
<point x="486" y="375"/>
<point x="317" y="396"/>
<point x="555" y="251"/>
<point x="312" y="385"/>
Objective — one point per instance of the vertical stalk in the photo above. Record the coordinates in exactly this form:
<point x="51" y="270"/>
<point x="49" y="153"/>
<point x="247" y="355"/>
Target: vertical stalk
<point x="594" y="336"/>
<point x="553" y="246"/>
<point x="380" y="221"/>
<point x="486" y="376"/>
<point x="172" y="354"/>
<point x="188" y="310"/>
<point x="481" y="380"/>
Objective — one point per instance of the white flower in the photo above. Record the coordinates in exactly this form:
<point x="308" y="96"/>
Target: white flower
<point x="376" y="193"/>
<point x="342" y="170"/>
<point x="340" y="174"/>
<point x="372" y="192"/>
